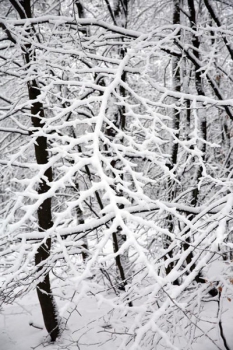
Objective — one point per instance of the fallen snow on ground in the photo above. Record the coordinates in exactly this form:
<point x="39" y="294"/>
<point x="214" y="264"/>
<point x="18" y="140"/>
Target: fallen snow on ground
<point x="89" y="327"/>
<point x="93" y="325"/>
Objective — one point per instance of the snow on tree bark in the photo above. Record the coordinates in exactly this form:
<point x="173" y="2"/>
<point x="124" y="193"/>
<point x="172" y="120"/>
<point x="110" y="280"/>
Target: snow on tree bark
<point x="122" y="158"/>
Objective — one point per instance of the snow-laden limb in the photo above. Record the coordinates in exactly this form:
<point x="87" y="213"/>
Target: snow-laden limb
<point x="124" y="171"/>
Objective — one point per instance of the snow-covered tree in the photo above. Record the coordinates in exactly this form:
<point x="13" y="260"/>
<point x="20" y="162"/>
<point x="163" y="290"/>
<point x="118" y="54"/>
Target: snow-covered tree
<point x="116" y="122"/>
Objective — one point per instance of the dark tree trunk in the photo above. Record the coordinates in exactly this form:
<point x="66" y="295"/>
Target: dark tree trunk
<point x="45" y="222"/>
<point x="119" y="11"/>
<point x="203" y="126"/>
<point x="44" y="213"/>
<point x="175" y="145"/>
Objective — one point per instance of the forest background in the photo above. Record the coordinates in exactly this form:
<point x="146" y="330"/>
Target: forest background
<point x="116" y="166"/>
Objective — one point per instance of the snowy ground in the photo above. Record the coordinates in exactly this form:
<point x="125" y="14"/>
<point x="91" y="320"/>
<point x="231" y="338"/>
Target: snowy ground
<point x="92" y="326"/>
<point x="17" y="334"/>
<point x="89" y="327"/>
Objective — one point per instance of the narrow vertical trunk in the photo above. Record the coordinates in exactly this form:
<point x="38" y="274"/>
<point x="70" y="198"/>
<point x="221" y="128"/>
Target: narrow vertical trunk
<point x="119" y="13"/>
<point x="122" y="261"/>
<point x="45" y="222"/>
<point x="80" y="221"/>
<point x="175" y="145"/>
<point x="203" y="127"/>
<point x="79" y="212"/>
<point x="46" y="299"/>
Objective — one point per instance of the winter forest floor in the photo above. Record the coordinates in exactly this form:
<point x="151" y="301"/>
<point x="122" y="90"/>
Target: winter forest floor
<point x="94" y="326"/>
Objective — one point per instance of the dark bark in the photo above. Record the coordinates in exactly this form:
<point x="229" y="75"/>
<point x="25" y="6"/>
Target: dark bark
<point x="175" y="146"/>
<point x="200" y="91"/>
<point x="177" y="87"/>
<point x="194" y="56"/>
<point x="46" y="299"/>
<point x="217" y="21"/>
<point x="45" y="222"/>
<point x="81" y="221"/>
<point x="119" y="11"/>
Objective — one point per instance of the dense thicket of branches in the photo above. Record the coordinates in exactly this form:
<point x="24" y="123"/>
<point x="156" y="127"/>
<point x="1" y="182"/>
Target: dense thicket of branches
<point x="116" y="145"/>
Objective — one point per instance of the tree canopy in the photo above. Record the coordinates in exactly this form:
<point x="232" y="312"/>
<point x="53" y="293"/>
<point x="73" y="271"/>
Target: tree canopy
<point x="116" y="159"/>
